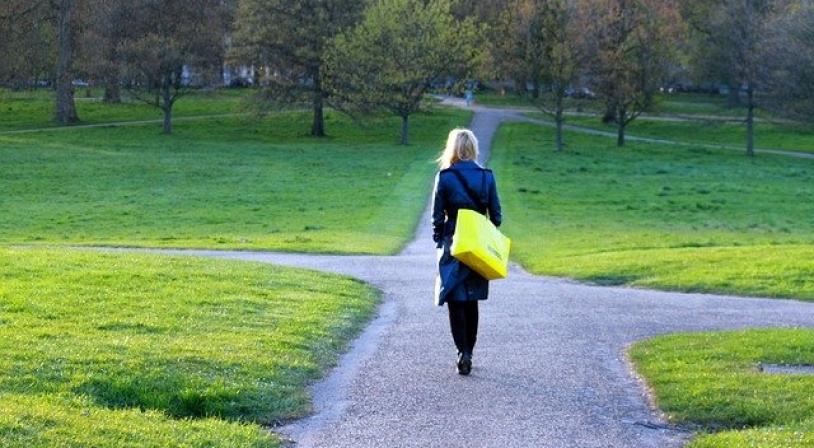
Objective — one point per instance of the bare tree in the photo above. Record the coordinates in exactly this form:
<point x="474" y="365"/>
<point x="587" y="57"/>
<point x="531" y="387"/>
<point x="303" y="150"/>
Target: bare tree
<point x="788" y="53"/>
<point x="288" y="37"/>
<point x="632" y="48"/>
<point x="104" y="24"/>
<point x="27" y="47"/>
<point x="730" y="36"/>
<point x="28" y="29"/>
<point x="537" y="47"/>
<point x="170" y="46"/>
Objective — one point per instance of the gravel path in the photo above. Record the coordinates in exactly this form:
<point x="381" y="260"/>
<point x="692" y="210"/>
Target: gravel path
<point x="549" y="368"/>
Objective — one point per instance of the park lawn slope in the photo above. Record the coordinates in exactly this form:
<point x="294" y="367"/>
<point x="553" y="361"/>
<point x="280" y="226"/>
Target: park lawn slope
<point x="223" y="183"/>
<point x="167" y="351"/>
<point x="688" y="219"/>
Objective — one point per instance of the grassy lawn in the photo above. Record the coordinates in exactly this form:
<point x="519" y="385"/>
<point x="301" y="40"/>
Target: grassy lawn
<point x="111" y="349"/>
<point x="166" y="351"/>
<point x="671" y="119"/>
<point x="724" y="133"/>
<point x="711" y="382"/>
<point x="222" y="183"/>
<point x="34" y="109"/>
<point x="684" y="104"/>
<point x="178" y="351"/>
<point x="685" y="219"/>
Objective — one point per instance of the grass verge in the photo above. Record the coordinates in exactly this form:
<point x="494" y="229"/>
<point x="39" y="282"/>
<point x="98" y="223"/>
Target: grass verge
<point x="147" y="350"/>
<point x="711" y="382"/>
<point x="688" y="219"/>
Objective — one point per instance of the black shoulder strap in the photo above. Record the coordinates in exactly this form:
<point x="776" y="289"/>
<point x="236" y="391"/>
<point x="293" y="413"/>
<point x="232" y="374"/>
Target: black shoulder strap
<point x="476" y="198"/>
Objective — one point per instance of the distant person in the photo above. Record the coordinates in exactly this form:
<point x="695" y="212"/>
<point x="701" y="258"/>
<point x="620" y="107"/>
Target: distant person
<point x="469" y="97"/>
<point x="461" y="183"/>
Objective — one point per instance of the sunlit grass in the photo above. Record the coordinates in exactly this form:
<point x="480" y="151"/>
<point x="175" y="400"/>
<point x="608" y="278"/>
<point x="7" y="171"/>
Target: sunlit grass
<point x="711" y="382"/>
<point x="163" y="351"/>
<point x="223" y="183"/>
<point x="648" y="215"/>
<point x="177" y="346"/>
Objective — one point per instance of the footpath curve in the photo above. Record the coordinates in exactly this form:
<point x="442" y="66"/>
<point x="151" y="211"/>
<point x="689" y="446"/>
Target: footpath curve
<point x="549" y="368"/>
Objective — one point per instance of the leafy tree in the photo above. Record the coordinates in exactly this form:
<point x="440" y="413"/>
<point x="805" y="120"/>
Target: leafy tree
<point x="37" y="31"/>
<point x="537" y="47"/>
<point x="729" y="37"/>
<point x="165" y="40"/>
<point x="104" y="30"/>
<point x="632" y="45"/>
<point x="27" y="48"/>
<point x="484" y="11"/>
<point x="789" y="53"/>
<point x="287" y="39"/>
<point x="390" y="60"/>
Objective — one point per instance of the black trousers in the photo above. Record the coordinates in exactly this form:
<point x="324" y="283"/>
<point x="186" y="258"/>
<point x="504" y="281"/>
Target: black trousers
<point x="463" y="321"/>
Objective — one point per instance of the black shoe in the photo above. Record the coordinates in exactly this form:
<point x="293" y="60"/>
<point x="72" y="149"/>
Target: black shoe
<point x="464" y="364"/>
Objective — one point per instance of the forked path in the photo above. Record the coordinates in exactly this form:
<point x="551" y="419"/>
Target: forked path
<point x="549" y="367"/>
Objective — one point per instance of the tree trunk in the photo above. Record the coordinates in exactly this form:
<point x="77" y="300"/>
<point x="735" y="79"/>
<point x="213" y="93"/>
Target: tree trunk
<point x="610" y="113"/>
<point x="113" y="92"/>
<point x="733" y="98"/>
<point x="318" y="125"/>
<point x="621" y="122"/>
<point x="405" y="130"/>
<point x="620" y="133"/>
<point x="166" y="104"/>
<point x="559" y="120"/>
<point x="750" y="123"/>
<point x="65" y="106"/>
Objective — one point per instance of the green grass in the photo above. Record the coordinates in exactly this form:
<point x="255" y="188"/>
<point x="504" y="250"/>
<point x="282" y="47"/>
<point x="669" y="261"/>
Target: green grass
<point x="711" y="382"/>
<point x="222" y="183"/>
<point x="682" y="118"/>
<point x="792" y="137"/>
<point x="695" y="104"/>
<point x="700" y="105"/>
<point x="132" y="368"/>
<point x="493" y="98"/>
<point x="687" y="219"/>
<point x="115" y="349"/>
<point x="177" y="346"/>
<point x="509" y="99"/>
<point x="35" y="109"/>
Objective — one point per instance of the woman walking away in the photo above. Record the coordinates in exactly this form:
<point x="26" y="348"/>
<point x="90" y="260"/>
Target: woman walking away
<point x="461" y="183"/>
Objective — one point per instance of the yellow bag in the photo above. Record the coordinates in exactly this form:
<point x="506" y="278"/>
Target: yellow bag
<point x="479" y="244"/>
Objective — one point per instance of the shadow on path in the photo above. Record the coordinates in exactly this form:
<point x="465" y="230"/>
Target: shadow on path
<point x="549" y="368"/>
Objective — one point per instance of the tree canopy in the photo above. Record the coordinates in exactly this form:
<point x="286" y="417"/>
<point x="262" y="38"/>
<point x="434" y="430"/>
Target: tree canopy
<point x="393" y="57"/>
<point x="537" y="45"/>
<point x="631" y="44"/>
<point x="370" y="55"/>
<point x="287" y="38"/>
<point x="164" y="40"/>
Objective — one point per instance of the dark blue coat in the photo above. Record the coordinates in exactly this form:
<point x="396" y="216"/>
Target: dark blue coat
<point x="455" y="280"/>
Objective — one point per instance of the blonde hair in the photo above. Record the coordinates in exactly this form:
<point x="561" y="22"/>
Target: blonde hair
<point x="461" y="145"/>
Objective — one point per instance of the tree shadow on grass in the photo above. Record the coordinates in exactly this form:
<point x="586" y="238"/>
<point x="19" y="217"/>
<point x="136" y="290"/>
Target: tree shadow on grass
<point x="611" y="279"/>
<point x="175" y="394"/>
